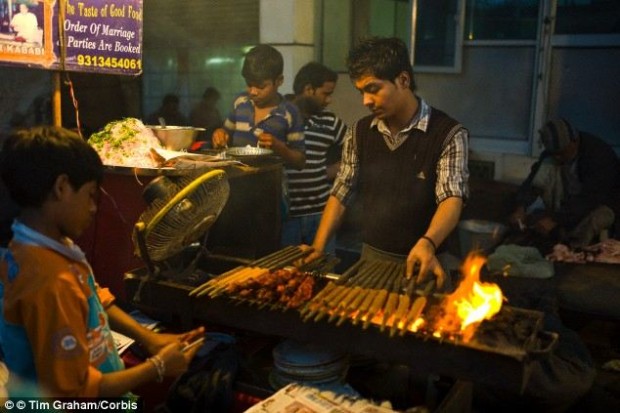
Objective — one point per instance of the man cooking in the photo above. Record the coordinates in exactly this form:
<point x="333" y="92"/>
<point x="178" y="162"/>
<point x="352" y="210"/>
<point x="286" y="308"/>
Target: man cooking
<point x="407" y="160"/>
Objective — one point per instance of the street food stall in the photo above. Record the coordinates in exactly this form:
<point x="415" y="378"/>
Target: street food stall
<point x="200" y="237"/>
<point x="194" y="239"/>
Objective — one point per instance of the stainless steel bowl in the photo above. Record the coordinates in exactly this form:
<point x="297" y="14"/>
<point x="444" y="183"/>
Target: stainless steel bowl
<point x="176" y="138"/>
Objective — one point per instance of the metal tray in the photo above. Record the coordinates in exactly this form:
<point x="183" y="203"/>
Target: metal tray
<point x="250" y="151"/>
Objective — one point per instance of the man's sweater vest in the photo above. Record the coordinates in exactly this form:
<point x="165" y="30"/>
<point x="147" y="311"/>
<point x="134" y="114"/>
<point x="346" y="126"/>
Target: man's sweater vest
<point x="398" y="187"/>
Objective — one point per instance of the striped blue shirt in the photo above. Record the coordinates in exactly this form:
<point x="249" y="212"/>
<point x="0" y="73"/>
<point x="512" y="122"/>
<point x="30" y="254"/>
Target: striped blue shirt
<point x="284" y="122"/>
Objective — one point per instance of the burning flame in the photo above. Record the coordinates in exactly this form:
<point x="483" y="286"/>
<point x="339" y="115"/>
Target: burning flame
<point x="471" y="303"/>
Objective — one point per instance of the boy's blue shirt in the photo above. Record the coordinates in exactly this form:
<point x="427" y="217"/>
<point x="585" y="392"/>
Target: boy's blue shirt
<point x="284" y="122"/>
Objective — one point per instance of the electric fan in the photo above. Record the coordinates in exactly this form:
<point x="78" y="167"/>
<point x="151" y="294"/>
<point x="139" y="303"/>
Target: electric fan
<point x="180" y="211"/>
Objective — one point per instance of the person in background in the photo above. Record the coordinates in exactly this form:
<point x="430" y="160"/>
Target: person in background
<point x="261" y="115"/>
<point x="169" y="112"/>
<point x="407" y="159"/>
<point x="54" y="319"/>
<point x="309" y="188"/>
<point x="205" y="114"/>
<point x="572" y="192"/>
<point x="25" y="25"/>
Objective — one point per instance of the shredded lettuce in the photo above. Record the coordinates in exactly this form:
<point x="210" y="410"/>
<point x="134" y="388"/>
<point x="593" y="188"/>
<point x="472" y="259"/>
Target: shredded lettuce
<point x="125" y="142"/>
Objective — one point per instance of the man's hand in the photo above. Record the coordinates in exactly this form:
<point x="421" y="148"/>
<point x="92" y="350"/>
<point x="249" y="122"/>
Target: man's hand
<point x="220" y="138"/>
<point x="423" y="252"/>
<point x="313" y="255"/>
<point x="545" y="225"/>
<point x="517" y="218"/>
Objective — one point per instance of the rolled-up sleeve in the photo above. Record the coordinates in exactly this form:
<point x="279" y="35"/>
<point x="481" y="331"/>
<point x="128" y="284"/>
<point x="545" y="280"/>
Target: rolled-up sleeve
<point x="348" y="175"/>
<point x="452" y="170"/>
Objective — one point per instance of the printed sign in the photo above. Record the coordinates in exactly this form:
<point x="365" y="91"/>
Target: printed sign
<point x="96" y="35"/>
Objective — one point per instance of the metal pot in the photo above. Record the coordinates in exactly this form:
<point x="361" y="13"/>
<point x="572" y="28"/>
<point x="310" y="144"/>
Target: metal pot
<point x="176" y="138"/>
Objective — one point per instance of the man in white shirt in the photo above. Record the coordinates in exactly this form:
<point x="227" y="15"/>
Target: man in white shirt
<point x="25" y="25"/>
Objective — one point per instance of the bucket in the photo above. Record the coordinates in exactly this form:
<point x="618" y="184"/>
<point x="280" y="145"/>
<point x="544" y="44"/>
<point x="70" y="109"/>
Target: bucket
<point x="477" y="234"/>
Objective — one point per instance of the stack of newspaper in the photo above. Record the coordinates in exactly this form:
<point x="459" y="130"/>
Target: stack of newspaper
<point x="297" y="398"/>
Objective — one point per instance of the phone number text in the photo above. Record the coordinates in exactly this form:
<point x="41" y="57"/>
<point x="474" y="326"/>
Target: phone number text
<point x="109" y="62"/>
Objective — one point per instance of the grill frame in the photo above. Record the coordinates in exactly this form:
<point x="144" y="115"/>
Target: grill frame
<point x="169" y="302"/>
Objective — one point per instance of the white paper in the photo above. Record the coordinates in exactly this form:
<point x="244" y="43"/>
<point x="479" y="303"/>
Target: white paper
<point x="123" y="342"/>
<point x="296" y="398"/>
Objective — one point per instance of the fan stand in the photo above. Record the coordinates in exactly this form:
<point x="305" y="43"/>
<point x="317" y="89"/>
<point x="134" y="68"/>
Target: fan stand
<point x="151" y="270"/>
<point x="184" y="197"/>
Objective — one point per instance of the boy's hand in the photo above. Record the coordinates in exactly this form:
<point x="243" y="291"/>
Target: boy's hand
<point x="157" y="341"/>
<point x="176" y="361"/>
<point x="219" y="138"/>
<point x="267" y="140"/>
<point x="292" y="157"/>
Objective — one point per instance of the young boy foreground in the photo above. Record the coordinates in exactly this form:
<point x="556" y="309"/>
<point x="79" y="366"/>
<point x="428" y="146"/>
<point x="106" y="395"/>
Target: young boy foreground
<point x="54" y="319"/>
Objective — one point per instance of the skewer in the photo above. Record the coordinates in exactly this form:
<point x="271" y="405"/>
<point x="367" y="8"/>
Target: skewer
<point x="404" y="301"/>
<point x="289" y="260"/>
<point x="209" y="284"/>
<point x="350" y="272"/>
<point x="220" y="285"/>
<point x="340" y="292"/>
<point x="366" y="285"/>
<point x="273" y="259"/>
<point x="261" y="262"/>
<point x="366" y="278"/>
<point x="317" y="303"/>
<point x="193" y="344"/>
<point x="345" y="293"/>
<point x="412" y="281"/>
<point x="428" y="287"/>
<point x="338" y="307"/>
<point x="392" y="300"/>
<point x="378" y="282"/>
<point x="379" y="298"/>
<point x="241" y="277"/>
<point x="418" y="305"/>
<point x="317" y="298"/>
<point x="401" y="312"/>
<point x="414" y="312"/>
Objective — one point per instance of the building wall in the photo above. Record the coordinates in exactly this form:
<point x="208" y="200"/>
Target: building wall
<point x="198" y="44"/>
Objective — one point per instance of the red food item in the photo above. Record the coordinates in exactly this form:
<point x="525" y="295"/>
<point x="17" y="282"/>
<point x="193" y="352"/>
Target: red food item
<point x="287" y="287"/>
<point x="607" y="251"/>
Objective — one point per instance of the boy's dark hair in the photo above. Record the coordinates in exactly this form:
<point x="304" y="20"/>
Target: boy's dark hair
<point x="313" y="74"/>
<point x="32" y="159"/>
<point x="382" y="57"/>
<point x="262" y="62"/>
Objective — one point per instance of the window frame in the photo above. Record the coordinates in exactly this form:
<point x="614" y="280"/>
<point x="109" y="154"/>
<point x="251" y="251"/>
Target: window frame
<point x="458" y="42"/>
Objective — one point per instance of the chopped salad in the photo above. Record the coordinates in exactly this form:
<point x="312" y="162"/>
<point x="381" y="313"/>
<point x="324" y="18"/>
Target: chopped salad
<point x="126" y="142"/>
